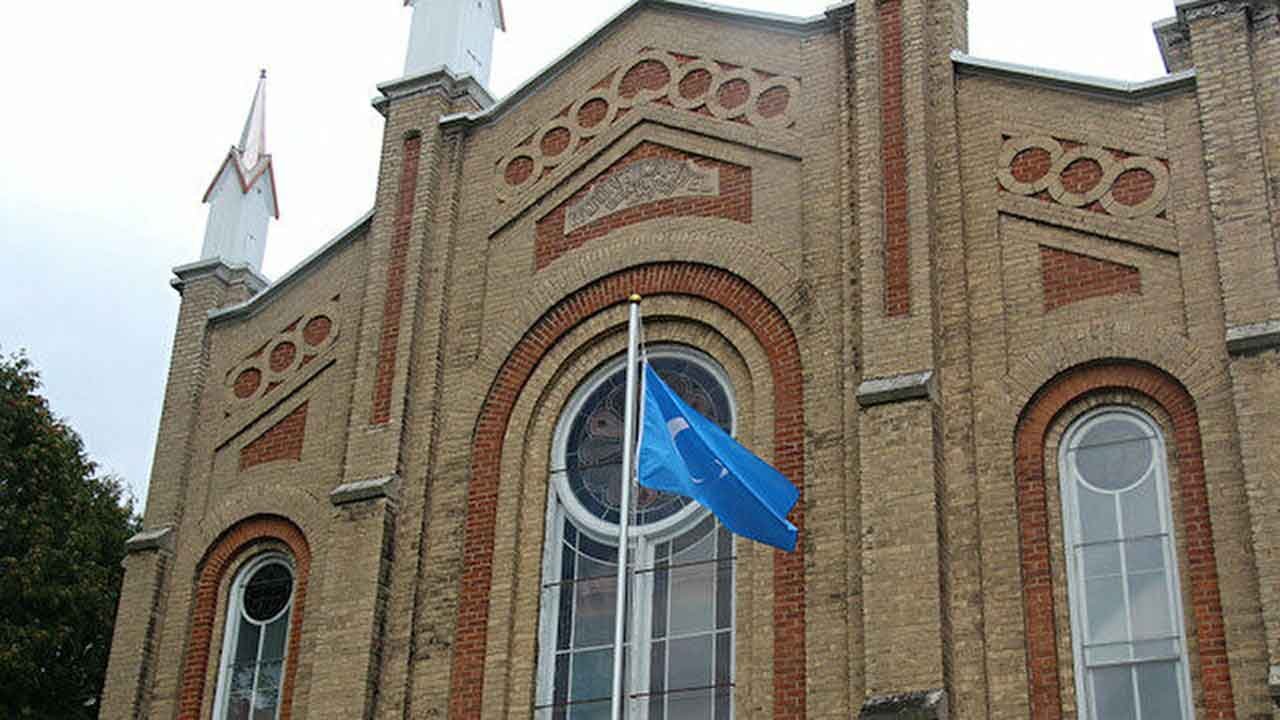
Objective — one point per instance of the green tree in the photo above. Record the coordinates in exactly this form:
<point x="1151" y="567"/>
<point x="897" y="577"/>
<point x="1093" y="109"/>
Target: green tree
<point x="63" y="528"/>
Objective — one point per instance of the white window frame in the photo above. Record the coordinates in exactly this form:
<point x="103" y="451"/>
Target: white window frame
<point x="231" y="629"/>
<point x="1071" y="527"/>
<point x="563" y="505"/>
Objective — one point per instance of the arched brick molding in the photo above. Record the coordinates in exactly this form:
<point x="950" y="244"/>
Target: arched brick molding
<point x="771" y="330"/>
<point x="1195" y="527"/>
<point x="233" y="544"/>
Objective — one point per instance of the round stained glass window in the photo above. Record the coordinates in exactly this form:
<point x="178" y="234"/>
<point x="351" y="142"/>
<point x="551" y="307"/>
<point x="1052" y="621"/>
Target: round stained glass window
<point x="1115" y="454"/>
<point x="593" y="446"/>
<point x="267" y="593"/>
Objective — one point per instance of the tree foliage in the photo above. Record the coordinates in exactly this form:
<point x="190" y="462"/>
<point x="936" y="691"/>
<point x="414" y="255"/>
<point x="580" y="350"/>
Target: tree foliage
<point x="63" y="528"/>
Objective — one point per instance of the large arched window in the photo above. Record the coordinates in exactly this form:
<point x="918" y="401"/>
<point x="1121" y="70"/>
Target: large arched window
<point x="681" y="621"/>
<point x="1126" y="610"/>
<point x="250" y="675"/>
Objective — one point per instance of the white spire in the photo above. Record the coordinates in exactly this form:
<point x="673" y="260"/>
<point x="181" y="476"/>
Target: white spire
<point x="253" y="141"/>
<point x="242" y="196"/>
<point x="453" y="34"/>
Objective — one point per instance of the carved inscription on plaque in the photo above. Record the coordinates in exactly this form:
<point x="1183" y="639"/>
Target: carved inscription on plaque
<point x="640" y="183"/>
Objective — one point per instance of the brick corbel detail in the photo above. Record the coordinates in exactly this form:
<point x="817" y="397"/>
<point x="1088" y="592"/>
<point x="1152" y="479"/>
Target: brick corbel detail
<point x="1196" y="529"/>
<point x="234" y="543"/>
<point x="771" y="330"/>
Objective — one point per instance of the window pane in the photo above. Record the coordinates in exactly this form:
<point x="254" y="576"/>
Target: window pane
<point x="1140" y="509"/>
<point x="1149" y="649"/>
<point x="273" y="643"/>
<point x="1149" y="593"/>
<point x="592" y="675"/>
<point x="1114" y="454"/>
<point x="1107" y="653"/>
<point x="596" y="604"/>
<point x="690" y="662"/>
<point x="690" y="705"/>
<point x="240" y="694"/>
<point x="1144" y="555"/>
<point x="247" y="644"/>
<point x="267" y="593"/>
<point x="1104" y="604"/>
<point x="1097" y="515"/>
<point x="1158" y="691"/>
<point x="590" y="711"/>
<point x="1101" y="560"/>
<point x="267" y="698"/>
<point x="692" y="599"/>
<point x="1113" y="694"/>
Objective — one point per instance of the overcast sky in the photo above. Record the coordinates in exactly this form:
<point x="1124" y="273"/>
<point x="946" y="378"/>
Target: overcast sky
<point x="117" y="114"/>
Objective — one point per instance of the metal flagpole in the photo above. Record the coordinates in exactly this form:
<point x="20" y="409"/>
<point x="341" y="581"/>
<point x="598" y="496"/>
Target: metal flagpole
<point x="624" y="513"/>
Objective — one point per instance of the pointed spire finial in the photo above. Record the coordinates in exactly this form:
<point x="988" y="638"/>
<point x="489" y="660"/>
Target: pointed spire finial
<point x="253" y="141"/>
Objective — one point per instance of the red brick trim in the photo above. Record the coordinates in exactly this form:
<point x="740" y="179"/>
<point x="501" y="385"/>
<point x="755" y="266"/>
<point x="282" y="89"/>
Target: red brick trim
<point x="397" y="267"/>
<point x="282" y="441"/>
<point x="1196" y="530"/>
<point x="772" y="331"/>
<point x="234" y="543"/>
<point x="893" y="155"/>
<point x="733" y="203"/>
<point x="1071" y="277"/>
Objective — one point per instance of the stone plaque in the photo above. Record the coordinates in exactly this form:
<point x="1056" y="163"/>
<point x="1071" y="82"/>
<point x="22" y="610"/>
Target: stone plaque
<point x="640" y="183"/>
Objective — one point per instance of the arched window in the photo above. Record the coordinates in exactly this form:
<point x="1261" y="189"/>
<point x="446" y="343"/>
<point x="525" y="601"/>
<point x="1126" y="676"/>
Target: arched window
<point x="681" y="624"/>
<point x="1126" y="610"/>
<point x="257" y="634"/>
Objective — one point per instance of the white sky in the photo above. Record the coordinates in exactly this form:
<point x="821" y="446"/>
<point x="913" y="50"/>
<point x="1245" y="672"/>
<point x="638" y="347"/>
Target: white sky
<point x="117" y="114"/>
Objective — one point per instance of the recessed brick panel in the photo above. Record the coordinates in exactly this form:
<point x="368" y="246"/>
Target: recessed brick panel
<point x="393" y="303"/>
<point x="283" y="441"/>
<point x="771" y="330"/>
<point x="1071" y="277"/>
<point x="893" y="151"/>
<point x="1196" y="529"/>
<point x="734" y="203"/>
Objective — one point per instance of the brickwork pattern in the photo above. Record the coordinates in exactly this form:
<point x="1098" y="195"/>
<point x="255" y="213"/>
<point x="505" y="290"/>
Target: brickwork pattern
<point x="893" y="140"/>
<point x="397" y="269"/>
<point x="205" y="613"/>
<point x="282" y="441"/>
<point x="732" y="203"/>
<point x="1196" y="529"/>
<point x="1097" y="179"/>
<point x="711" y="88"/>
<point x="773" y="332"/>
<point x="1071" y="277"/>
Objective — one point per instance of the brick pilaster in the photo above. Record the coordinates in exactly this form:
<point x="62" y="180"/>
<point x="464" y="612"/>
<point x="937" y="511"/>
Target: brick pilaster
<point x="204" y="286"/>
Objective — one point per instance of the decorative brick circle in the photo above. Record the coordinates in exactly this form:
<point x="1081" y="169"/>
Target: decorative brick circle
<point x="247" y="383"/>
<point x="317" y="330"/>
<point x="1083" y="175"/>
<point x="234" y="543"/>
<point x="282" y="356"/>
<point x="279" y="357"/>
<point x="726" y="92"/>
<point x="1196" y="528"/>
<point x="771" y="330"/>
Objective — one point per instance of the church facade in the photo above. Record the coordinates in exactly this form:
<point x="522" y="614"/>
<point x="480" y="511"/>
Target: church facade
<point x="1014" y="334"/>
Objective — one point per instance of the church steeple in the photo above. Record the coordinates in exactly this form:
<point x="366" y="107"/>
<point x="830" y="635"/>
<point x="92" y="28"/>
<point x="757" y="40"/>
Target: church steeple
<point x="453" y="34"/>
<point x="242" y="196"/>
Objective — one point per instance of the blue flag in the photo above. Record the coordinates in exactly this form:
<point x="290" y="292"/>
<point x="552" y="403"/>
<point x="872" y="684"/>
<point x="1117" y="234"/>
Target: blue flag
<point x="684" y="453"/>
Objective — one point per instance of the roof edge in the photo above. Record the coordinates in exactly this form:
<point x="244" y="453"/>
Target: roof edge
<point x="255" y="304"/>
<point x="1175" y="82"/>
<point x="697" y="7"/>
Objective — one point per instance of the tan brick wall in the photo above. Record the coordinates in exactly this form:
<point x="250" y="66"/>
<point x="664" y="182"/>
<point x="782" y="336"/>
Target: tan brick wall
<point x="464" y="317"/>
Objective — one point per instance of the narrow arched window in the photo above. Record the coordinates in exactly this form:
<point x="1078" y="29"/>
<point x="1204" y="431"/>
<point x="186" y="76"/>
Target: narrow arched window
<point x="681" y="621"/>
<point x="254" y="642"/>
<point x="1126" y="610"/>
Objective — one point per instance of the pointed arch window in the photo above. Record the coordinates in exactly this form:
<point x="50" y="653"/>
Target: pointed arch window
<point x="680" y="628"/>
<point x="1126" y="610"/>
<point x="255" y="640"/>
